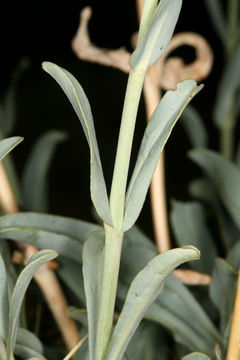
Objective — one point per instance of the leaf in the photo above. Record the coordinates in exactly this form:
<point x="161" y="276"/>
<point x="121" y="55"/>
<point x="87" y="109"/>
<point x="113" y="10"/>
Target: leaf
<point x="3" y="351"/>
<point x="36" y="261"/>
<point x="65" y="235"/>
<point x="227" y="90"/>
<point x="156" y="37"/>
<point x="28" y="339"/>
<point x="154" y="139"/>
<point x="175" y="308"/>
<point x="219" y="23"/>
<point x="224" y="175"/>
<point x="93" y="257"/>
<point x="222" y="290"/>
<point x="80" y="103"/>
<point x="34" y="182"/>
<point x="9" y="144"/>
<point x="25" y="352"/>
<point x="4" y="303"/>
<point x="233" y="256"/>
<point x="194" y="127"/>
<point x="143" y="291"/>
<point x="188" y="222"/>
<point x="79" y="315"/>
<point x="196" y="356"/>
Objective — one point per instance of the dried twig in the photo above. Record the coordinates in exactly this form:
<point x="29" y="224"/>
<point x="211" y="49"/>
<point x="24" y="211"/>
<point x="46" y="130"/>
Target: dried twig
<point x="76" y="348"/>
<point x="85" y="50"/>
<point x="233" y="352"/>
<point x="45" y="277"/>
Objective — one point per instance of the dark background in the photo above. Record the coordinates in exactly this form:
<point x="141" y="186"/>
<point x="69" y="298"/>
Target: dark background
<point x="42" y="31"/>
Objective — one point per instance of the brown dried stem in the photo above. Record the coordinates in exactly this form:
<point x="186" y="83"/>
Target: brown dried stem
<point x="233" y="352"/>
<point x="45" y="277"/>
<point x="157" y="77"/>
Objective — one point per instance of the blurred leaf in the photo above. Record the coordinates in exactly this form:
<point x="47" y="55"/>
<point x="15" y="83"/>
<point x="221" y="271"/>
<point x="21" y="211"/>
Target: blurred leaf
<point x="222" y="290"/>
<point x="218" y="21"/>
<point x="65" y="235"/>
<point x="227" y="90"/>
<point x="36" y="261"/>
<point x="34" y="178"/>
<point x="27" y="339"/>
<point x="143" y="291"/>
<point x="71" y="274"/>
<point x="9" y="166"/>
<point x="205" y="190"/>
<point x="82" y="353"/>
<point x="8" y="144"/>
<point x="79" y="315"/>
<point x="4" y="302"/>
<point x="148" y="343"/>
<point x="93" y="261"/>
<point x="25" y="352"/>
<point x="196" y="356"/>
<point x="233" y="256"/>
<point x="154" y="40"/>
<point x="3" y="350"/>
<point x="188" y="222"/>
<point x="80" y="103"/>
<point x="154" y="139"/>
<point x="194" y="127"/>
<point x="224" y="175"/>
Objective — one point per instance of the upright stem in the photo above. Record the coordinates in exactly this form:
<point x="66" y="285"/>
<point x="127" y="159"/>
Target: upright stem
<point x="112" y="255"/>
<point x="233" y="17"/>
<point x="119" y="182"/>
<point x="227" y="138"/>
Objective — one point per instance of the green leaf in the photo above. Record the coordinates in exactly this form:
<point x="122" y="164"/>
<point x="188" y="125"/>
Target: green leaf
<point x="79" y="315"/>
<point x="4" y="303"/>
<point x="222" y="290"/>
<point x="80" y="103"/>
<point x="36" y="261"/>
<point x="216" y="12"/>
<point x="224" y="175"/>
<point x="3" y="350"/>
<point x="233" y="256"/>
<point x="93" y="257"/>
<point x="25" y="352"/>
<point x="194" y="127"/>
<point x="175" y="308"/>
<point x="154" y="139"/>
<point x="188" y="222"/>
<point x="65" y="235"/>
<point x="227" y="93"/>
<point x="34" y="182"/>
<point x="28" y="339"/>
<point x="143" y="291"/>
<point x="154" y="40"/>
<point x="196" y="356"/>
<point x="9" y="144"/>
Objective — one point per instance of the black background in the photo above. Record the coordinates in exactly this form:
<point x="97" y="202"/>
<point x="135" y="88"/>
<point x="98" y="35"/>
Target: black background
<point x="42" y="31"/>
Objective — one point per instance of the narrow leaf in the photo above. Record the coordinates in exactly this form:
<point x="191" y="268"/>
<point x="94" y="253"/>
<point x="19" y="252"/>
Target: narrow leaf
<point x="142" y="293"/>
<point x="156" y="134"/>
<point x="196" y="356"/>
<point x="216" y="12"/>
<point x="79" y="315"/>
<point x="189" y="224"/>
<point x="28" y="339"/>
<point x="227" y="93"/>
<point x="224" y="175"/>
<point x="8" y="144"/>
<point x="20" y="288"/>
<point x="24" y="352"/>
<point x="34" y="178"/>
<point x="156" y="38"/>
<point x="4" y="303"/>
<point x="194" y="127"/>
<point x="65" y="235"/>
<point x="93" y="256"/>
<point x="80" y="103"/>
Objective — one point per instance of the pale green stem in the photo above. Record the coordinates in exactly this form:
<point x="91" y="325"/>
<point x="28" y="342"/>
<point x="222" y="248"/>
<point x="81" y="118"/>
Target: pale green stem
<point x="227" y="139"/>
<point x="112" y="255"/>
<point x="233" y="19"/>
<point x="119" y="182"/>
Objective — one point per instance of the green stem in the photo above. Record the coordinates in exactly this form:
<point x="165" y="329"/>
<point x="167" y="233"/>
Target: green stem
<point x="119" y="182"/>
<point x="233" y="17"/>
<point x="227" y="139"/>
<point x="112" y="255"/>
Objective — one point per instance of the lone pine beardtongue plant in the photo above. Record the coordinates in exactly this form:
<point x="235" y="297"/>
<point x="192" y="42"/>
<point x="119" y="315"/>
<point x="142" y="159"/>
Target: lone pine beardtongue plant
<point x="119" y="212"/>
<point x="102" y="250"/>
